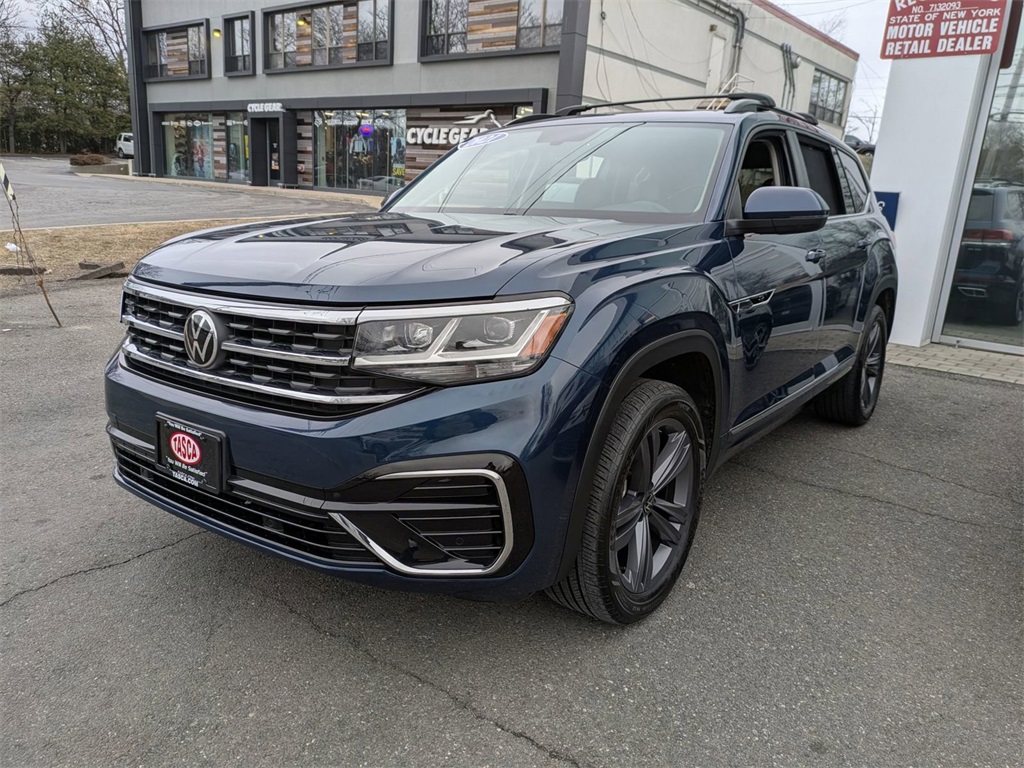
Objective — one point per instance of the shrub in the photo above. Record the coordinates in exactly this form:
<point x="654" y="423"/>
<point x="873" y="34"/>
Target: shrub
<point x="89" y="160"/>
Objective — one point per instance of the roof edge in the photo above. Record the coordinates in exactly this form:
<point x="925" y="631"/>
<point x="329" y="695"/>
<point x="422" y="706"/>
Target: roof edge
<point x="804" y="26"/>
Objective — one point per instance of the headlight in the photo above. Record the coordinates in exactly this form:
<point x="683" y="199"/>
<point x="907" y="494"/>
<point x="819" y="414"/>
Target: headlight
<point x="452" y="345"/>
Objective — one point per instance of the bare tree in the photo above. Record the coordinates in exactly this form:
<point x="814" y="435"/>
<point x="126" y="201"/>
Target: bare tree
<point x="835" y="25"/>
<point x="10" y="14"/>
<point x="102" y="20"/>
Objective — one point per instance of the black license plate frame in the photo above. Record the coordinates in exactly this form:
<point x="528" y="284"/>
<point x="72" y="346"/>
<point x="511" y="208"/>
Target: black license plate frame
<point x="193" y="455"/>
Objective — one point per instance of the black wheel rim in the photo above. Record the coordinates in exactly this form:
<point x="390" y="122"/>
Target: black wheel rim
<point x="874" y="363"/>
<point x="651" y="527"/>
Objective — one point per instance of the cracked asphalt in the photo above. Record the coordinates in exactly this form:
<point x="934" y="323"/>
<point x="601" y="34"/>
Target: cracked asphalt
<point x="854" y="597"/>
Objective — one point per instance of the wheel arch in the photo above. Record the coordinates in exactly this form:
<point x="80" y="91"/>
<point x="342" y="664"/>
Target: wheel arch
<point x="665" y="358"/>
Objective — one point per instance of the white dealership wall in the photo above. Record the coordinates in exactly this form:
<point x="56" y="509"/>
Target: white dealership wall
<point x="669" y="48"/>
<point x="929" y="130"/>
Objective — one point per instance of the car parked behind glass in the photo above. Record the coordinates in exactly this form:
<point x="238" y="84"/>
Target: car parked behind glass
<point x="989" y="274"/>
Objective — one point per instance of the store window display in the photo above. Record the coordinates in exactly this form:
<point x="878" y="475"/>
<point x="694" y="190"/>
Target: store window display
<point x="359" y="149"/>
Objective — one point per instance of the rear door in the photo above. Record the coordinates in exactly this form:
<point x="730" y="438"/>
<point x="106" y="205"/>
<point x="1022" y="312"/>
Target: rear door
<point x="843" y="243"/>
<point x="777" y="299"/>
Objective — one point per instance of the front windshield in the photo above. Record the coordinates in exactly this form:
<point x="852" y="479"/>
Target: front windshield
<point x="633" y="171"/>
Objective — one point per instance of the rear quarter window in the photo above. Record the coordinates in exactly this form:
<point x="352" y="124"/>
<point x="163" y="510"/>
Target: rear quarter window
<point x="856" y="186"/>
<point x="981" y="207"/>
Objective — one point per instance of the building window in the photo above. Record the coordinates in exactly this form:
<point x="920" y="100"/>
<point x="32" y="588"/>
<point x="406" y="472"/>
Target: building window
<point x="373" y="30"/>
<point x="828" y="97"/>
<point x="540" y="23"/>
<point x="328" y="34"/>
<point x="446" y="27"/>
<point x="179" y="52"/>
<point x="238" y="45"/>
<point x="282" y="40"/>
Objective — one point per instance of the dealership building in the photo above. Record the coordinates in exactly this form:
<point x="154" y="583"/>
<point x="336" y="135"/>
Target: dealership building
<point x="364" y="94"/>
<point x="950" y="165"/>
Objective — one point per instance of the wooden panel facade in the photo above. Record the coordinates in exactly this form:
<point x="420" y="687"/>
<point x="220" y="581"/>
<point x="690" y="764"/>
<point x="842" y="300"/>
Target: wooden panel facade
<point x="492" y="25"/>
<point x="304" y="40"/>
<point x="419" y="156"/>
<point x="177" y="53"/>
<point x="304" y="119"/>
<point x="220" y="146"/>
<point x="350" y="34"/>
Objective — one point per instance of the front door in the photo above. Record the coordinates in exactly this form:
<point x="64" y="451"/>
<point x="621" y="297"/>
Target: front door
<point x="844" y="243"/>
<point x="777" y="299"/>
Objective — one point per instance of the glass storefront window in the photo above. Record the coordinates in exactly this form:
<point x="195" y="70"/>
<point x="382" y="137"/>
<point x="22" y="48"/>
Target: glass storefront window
<point x="359" y="149"/>
<point x="237" y="147"/>
<point x="207" y="145"/>
<point x="986" y="299"/>
<point x="188" y="145"/>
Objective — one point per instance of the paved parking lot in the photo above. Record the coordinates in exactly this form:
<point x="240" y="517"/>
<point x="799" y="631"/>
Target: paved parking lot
<point x="50" y="195"/>
<point x="854" y="597"/>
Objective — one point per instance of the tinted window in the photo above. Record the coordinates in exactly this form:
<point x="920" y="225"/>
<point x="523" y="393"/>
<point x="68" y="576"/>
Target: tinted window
<point x="981" y="206"/>
<point x="858" y="185"/>
<point x="822" y="176"/>
<point x="1015" y="206"/>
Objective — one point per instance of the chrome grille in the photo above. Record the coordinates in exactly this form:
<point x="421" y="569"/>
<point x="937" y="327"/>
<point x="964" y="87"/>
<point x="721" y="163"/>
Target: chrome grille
<point x="286" y="358"/>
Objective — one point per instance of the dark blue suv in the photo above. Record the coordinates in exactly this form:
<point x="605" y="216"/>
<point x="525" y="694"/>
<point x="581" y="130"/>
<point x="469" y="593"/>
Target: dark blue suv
<point x="517" y="375"/>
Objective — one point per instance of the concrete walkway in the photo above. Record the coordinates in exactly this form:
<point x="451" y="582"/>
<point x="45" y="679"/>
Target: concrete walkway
<point x="959" y="360"/>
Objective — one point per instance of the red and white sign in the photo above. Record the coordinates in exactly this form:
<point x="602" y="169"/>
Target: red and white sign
<point x="185" y="448"/>
<point x="918" y="30"/>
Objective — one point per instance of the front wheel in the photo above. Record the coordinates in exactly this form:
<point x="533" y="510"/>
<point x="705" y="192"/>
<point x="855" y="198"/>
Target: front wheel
<point x="852" y="399"/>
<point x="643" y="507"/>
<point x="120" y="153"/>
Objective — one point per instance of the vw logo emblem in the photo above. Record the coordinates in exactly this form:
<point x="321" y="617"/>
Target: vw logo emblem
<point x="202" y="339"/>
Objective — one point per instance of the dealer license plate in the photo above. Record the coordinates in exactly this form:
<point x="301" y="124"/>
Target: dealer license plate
<point x="191" y="454"/>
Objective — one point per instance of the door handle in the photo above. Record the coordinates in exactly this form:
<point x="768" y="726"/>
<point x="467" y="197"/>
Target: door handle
<point x="864" y="242"/>
<point x="815" y="255"/>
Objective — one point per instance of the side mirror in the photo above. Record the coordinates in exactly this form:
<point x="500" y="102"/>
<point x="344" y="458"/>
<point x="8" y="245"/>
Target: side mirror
<point x="780" y="211"/>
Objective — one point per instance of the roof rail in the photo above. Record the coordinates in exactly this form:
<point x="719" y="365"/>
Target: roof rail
<point x="528" y="118"/>
<point x="751" y="105"/>
<point x="763" y="99"/>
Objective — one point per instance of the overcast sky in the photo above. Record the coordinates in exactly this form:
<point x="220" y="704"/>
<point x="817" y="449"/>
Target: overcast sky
<point x="865" y="22"/>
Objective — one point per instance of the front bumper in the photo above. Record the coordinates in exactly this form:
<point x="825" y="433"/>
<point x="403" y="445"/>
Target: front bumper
<point x="362" y="497"/>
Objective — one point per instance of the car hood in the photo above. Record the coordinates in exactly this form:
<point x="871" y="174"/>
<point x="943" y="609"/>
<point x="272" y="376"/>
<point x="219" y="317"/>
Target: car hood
<point x="372" y="258"/>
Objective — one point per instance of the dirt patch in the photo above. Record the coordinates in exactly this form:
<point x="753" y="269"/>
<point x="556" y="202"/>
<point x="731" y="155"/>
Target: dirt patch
<point x="60" y="250"/>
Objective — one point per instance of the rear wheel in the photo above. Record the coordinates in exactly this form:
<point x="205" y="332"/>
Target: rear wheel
<point x="852" y="399"/>
<point x="1011" y="311"/>
<point x="643" y="507"/>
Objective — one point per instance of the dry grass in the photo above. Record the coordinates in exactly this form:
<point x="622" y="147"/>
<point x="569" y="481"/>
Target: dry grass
<point x="60" y="250"/>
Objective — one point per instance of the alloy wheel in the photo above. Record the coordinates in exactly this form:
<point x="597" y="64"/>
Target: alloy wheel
<point x="651" y="526"/>
<point x="874" y="362"/>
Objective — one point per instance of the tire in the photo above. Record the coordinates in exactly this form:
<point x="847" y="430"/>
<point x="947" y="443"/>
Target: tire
<point x="1011" y="311"/>
<point x="853" y="398"/>
<point x="643" y="507"/>
<point x="120" y="153"/>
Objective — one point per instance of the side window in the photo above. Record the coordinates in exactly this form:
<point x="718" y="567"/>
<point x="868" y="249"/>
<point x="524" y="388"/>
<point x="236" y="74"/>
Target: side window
<point x="854" y="172"/>
<point x="1015" y="211"/>
<point x="764" y="165"/>
<point x="823" y="176"/>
